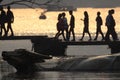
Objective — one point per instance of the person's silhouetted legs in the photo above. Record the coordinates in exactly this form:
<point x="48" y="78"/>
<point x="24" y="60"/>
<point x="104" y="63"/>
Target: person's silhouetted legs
<point x="10" y="28"/>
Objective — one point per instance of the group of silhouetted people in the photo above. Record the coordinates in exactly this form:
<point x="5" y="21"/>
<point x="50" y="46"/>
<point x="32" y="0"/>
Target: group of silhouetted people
<point x="62" y="26"/>
<point x="6" y="17"/>
<point x="99" y="23"/>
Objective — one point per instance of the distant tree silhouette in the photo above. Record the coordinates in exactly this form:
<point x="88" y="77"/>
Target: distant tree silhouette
<point x="1" y="0"/>
<point x="31" y="2"/>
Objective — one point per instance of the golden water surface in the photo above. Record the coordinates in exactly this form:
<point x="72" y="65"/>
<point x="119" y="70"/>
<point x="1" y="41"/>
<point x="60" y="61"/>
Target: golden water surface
<point x="27" y="21"/>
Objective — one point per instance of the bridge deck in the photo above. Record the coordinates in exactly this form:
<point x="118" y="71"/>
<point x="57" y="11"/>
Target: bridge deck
<point x="87" y="43"/>
<point x="63" y="42"/>
<point x="20" y="37"/>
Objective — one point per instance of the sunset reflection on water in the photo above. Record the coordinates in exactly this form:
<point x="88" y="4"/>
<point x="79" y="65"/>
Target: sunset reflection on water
<point x="27" y="21"/>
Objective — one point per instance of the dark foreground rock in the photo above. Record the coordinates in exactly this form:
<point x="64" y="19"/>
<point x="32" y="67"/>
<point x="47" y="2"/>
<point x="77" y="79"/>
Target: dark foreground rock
<point x="104" y="63"/>
<point x="25" y="62"/>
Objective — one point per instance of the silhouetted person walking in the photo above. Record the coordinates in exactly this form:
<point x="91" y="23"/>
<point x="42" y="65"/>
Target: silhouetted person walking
<point x="99" y="23"/>
<point x="110" y="23"/>
<point x="72" y="25"/>
<point x="3" y="21"/>
<point x="86" y="25"/>
<point x="65" y="25"/>
<point x="10" y="20"/>
<point x="60" y="27"/>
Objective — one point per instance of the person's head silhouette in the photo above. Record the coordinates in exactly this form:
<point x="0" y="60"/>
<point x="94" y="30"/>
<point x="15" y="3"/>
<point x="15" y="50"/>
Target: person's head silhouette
<point x="1" y="8"/>
<point x="63" y="14"/>
<point x="112" y="11"/>
<point x="98" y="13"/>
<point x="8" y="7"/>
<point x="70" y="12"/>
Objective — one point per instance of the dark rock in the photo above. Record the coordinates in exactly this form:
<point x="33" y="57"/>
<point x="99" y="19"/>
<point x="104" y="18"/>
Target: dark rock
<point x="104" y="63"/>
<point x="23" y="60"/>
